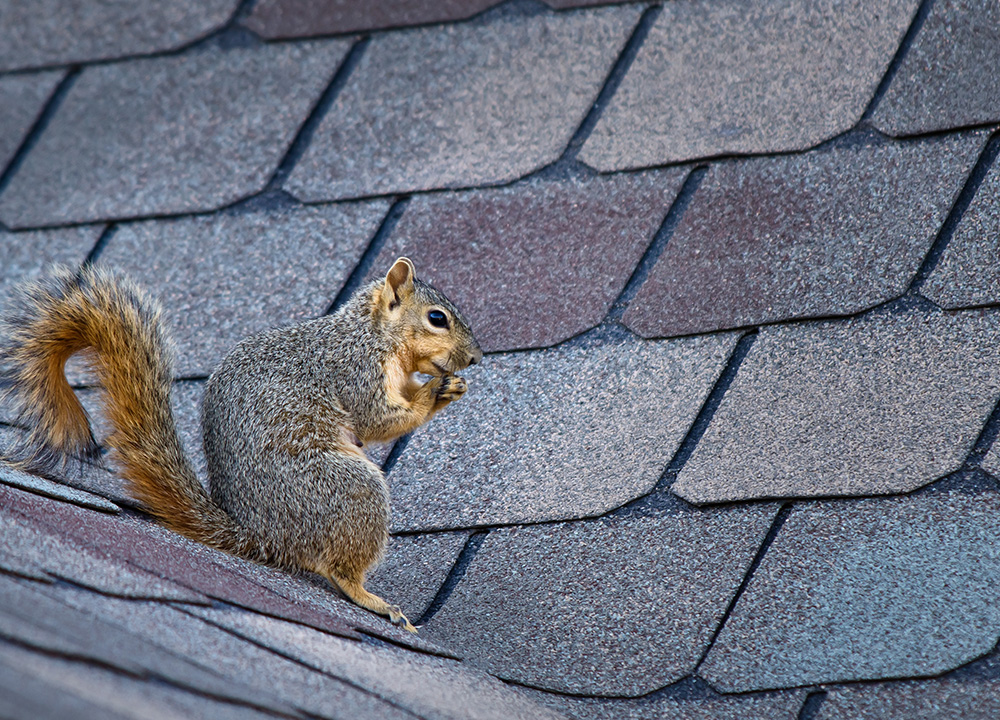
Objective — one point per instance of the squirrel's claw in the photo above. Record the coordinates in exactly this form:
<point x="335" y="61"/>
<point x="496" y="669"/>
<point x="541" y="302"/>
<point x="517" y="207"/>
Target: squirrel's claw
<point x="396" y="617"/>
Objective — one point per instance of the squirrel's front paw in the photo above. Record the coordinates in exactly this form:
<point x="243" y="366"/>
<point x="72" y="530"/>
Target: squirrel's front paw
<point x="450" y="387"/>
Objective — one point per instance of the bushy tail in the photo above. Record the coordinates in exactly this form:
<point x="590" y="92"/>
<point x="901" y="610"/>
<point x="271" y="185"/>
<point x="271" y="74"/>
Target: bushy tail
<point x="122" y="328"/>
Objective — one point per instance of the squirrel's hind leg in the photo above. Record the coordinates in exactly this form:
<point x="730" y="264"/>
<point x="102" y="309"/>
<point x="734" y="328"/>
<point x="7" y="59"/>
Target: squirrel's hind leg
<point x="355" y="590"/>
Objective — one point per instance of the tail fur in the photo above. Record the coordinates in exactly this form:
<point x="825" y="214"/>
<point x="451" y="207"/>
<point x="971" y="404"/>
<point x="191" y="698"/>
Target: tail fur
<point x="123" y="331"/>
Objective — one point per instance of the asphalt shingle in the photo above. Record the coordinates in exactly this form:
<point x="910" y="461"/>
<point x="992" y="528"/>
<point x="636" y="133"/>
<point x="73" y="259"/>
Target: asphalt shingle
<point x="414" y="568"/>
<point x="944" y="699"/>
<point x="222" y="277"/>
<point x="620" y="606"/>
<point x="573" y="431"/>
<point x="869" y="589"/>
<point x="64" y="688"/>
<point x="458" y="105"/>
<point x="234" y="658"/>
<point x="968" y="272"/>
<point x="536" y="263"/>
<point x="877" y="405"/>
<point x="427" y="686"/>
<point x="147" y="546"/>
<point x="169" y="135"/>
<point x="714" y="78"/>
<point x="691" y="705"/>
<point x="948" y="78"/>
<point x="22" y="98"/>
<point x="101" y="571"/>
<point x="819" y="234"/>
<point x="43" y="486"/>
<point x="303" y="18"/>
<point x="61" y="32"/>
<point x="27" y="254"/>
<point x="31" y="618"/>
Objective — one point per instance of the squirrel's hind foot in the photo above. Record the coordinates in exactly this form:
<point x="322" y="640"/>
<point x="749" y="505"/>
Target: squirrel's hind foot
<point x="356" y="592"/>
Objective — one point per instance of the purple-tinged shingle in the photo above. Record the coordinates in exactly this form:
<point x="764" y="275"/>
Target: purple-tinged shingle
<point x="273" y="19"/>
<point x="57" y="554"/>
<point x="949" y="77"/>
<point x="819" y="234"/>
<point x="62" y="32"/>
<point x="877" y="405"/>
<point x="556" y="434"/>
<point x="536" y="263"/>
<point x="303" y="18"/>
<point x="620" y="606"/>
<point x="864" y="590"/>
<point x="716" y="78"/>
<point x="461" y="105"/>
<point x="169" y="135"/>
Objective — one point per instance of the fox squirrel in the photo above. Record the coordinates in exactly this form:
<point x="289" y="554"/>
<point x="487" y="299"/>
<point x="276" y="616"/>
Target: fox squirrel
<point x="284" y="417"/>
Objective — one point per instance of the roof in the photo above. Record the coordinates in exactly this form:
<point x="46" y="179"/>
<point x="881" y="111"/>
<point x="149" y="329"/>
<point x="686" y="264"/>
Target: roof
<point x="731" y="451"/>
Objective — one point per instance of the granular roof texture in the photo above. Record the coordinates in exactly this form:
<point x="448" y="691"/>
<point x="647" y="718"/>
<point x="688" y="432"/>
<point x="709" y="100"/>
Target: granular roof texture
<point x="732" y="451"/>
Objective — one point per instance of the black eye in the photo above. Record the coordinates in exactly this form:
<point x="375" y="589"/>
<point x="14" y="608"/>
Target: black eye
<point x="437" y="319"/>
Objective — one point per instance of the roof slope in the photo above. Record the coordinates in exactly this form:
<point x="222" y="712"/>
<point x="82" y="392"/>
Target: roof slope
<point x="736" y="267"/>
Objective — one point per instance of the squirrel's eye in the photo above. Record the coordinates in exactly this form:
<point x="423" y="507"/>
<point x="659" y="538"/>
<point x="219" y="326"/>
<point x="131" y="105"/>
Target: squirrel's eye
<point x="437" y="319"/>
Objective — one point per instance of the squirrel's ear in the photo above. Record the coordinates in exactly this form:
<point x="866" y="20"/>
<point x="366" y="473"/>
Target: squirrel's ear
<point x="399" y="281"/>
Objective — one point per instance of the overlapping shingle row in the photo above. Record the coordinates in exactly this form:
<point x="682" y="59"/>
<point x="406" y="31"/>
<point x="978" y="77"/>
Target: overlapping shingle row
<point x="735" y="269"/>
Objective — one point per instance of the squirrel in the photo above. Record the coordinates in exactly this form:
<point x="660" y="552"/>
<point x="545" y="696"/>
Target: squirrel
<point x="285" y="416"/>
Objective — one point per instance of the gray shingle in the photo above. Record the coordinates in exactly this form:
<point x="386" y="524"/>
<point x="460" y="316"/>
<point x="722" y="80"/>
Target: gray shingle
<point x="620" y="606"/>
<point x="42" y="486"/>
<point x="185" y="399"/>
<point x="690" y="706"/>
<point x="968" y="272"/>
<point x="556" y="434"/>
<point x="948" y="78"/>
<point x="31" y="618"/>
<point x="414" y="568"/>
<point x="59" y="32"/>
<point x="469" y="104"/>
<point x="58" y="688"/>
<point x="937" y="699"/>
<point x="428" y="686"/>
<point x="880" y="404"/>
<point x="819" y="234"/>
<point x="169" y="135"/>
<point x="27" y="254"/>
<point x="868" y="589"/>
<point x="715" y="78"/>
<point x="536" y="263"/>
<point x="224" y="276"/>
<point x="22" y="98"/>
<point x="234" y="658"/>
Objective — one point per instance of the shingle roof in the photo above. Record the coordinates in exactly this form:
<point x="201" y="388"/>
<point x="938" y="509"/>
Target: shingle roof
<point x="731" y="453"/>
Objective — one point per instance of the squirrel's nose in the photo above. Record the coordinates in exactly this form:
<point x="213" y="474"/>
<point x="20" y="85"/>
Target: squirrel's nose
<point x="475" y="356"/>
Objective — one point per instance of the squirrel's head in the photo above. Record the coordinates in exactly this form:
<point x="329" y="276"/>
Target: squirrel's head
<point x="433" y="331"/>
